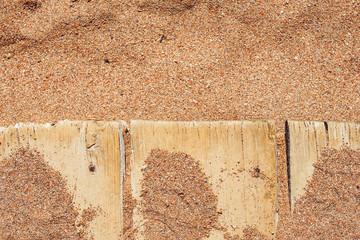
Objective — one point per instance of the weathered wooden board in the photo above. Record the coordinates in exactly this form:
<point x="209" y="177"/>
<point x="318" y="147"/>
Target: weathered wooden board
<point x="70" y="148"/>
<point x="238" y="147"/>
<point x="344" y="134"/>
<point x="306" y="140"/>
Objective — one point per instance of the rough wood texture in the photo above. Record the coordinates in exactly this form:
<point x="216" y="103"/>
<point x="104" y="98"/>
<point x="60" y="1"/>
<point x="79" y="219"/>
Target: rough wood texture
<point x="306" y="140"/>
<point x="71" y="147"/>
<point x="344" y="133"/>
<point x="228" y="152"/>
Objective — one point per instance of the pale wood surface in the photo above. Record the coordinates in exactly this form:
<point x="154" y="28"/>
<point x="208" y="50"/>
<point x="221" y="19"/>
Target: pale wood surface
<point x="344" y="134"/>
<point x="70" y="147"/>
<point x="307" y="139"/>
<point x="237" y="147"/>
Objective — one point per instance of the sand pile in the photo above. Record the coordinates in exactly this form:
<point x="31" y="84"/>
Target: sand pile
<point x="177" y="200"/>
<point x="35" y="203"/>
<point x="331" y="205"/>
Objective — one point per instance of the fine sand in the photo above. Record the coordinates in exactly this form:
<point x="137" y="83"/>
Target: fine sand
<point x="181" y="60"/>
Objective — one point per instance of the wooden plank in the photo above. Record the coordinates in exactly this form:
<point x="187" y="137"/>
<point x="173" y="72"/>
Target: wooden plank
<point x="70" y="147"/>
<point x="344" y="134"/>
<point x="307" y="139"/>
<point x="234" y="146"/>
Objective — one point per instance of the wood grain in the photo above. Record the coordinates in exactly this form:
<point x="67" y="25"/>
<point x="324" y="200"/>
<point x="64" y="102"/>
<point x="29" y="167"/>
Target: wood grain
<point x="70" y="147"/>
<point x="306" y="141"/>
<point x="228" y="153"/>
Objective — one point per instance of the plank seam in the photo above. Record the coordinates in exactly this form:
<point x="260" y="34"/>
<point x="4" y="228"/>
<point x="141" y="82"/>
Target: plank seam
<point x="287" y="146"/>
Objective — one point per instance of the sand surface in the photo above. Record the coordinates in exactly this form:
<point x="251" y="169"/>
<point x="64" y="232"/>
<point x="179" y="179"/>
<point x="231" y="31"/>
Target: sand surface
<point x="35" y="202"/>
<point x="218" y="60"/>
